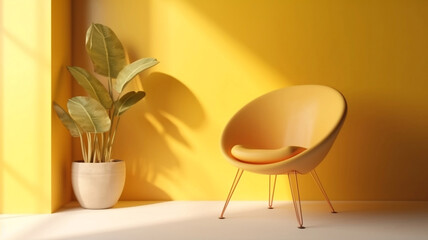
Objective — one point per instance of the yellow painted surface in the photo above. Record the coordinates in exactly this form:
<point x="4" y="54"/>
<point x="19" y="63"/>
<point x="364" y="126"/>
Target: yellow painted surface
<point x="61" y="91"/>
<point x="25" y="127"/>
<point x="215" y="56"/>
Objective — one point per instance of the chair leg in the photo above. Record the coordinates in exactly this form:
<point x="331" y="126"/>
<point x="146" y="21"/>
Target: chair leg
<point x="232" y="189"/>
<point x="271" y="190"/>
<point x="317" y="180"/>
<point x="295" y="194"/>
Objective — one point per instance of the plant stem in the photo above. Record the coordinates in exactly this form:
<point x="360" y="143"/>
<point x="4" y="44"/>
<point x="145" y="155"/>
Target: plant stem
<point x="88" y="136"/>
<point x="94" y="157"/>
<point x="83" y="147"/>
<point x="110" y="85"/>
<point x="105" y="145"/>
<point x="114" y="134"/>
<point x="101" y="147"/>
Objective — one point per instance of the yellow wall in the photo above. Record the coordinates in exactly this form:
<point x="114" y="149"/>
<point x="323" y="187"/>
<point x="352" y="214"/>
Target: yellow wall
<point x="61" y="149"/>
<point x="217" y="55"/>
<point x="31" y="162"/>
<point x="25" y="106"/>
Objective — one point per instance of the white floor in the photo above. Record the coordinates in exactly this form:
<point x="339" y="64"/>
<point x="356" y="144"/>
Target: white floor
<point x="244" y="220"/>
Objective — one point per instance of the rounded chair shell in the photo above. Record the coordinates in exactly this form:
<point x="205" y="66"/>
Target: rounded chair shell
<point x="308" y="116"/>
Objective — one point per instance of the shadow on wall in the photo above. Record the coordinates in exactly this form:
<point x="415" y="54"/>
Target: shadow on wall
<point x="168" y="107"/>
<point x="375" y="53"/>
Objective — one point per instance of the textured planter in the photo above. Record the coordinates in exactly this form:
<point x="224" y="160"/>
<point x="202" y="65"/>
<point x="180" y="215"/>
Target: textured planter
<point x="98" y="185"/>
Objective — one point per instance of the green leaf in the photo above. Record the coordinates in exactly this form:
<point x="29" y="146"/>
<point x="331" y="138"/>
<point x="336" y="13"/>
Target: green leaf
<point x="92" y="86"/>
<point x="127" y="101"/>
<point x="66" y="120"/>
<point x="89" y="114"/>
<point x="105" y="50"/>
<point x="131" y="70"/>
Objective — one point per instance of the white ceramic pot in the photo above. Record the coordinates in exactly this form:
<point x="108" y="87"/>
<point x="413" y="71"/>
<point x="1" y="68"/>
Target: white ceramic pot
<point x="98" y="185"/>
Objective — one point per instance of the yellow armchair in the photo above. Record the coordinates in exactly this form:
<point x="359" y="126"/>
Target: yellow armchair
<point x="287" y="131"/>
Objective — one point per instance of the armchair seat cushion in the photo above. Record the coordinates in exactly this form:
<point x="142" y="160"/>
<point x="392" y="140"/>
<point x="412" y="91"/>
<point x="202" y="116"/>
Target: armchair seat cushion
<point x="264" y="156"/>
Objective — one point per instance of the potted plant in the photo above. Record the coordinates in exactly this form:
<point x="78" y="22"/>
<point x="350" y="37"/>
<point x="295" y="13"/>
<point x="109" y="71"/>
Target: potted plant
<point x="98" y="179"/>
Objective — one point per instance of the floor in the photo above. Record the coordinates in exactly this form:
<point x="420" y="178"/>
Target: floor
<point x="244" y="220"/>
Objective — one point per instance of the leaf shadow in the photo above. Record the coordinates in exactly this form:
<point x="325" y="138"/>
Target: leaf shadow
<point x="157" y="122"/>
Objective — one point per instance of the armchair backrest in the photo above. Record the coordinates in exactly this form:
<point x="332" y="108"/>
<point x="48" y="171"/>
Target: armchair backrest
<point x="301" y="115"/>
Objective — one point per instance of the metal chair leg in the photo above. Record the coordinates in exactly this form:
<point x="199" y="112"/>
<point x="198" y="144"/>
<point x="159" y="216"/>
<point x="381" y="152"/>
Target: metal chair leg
<point x="317" y="180"/>
<point x="232" y="189"/>
<point x="271" y="190"/>
<point x="296" y="199"/>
